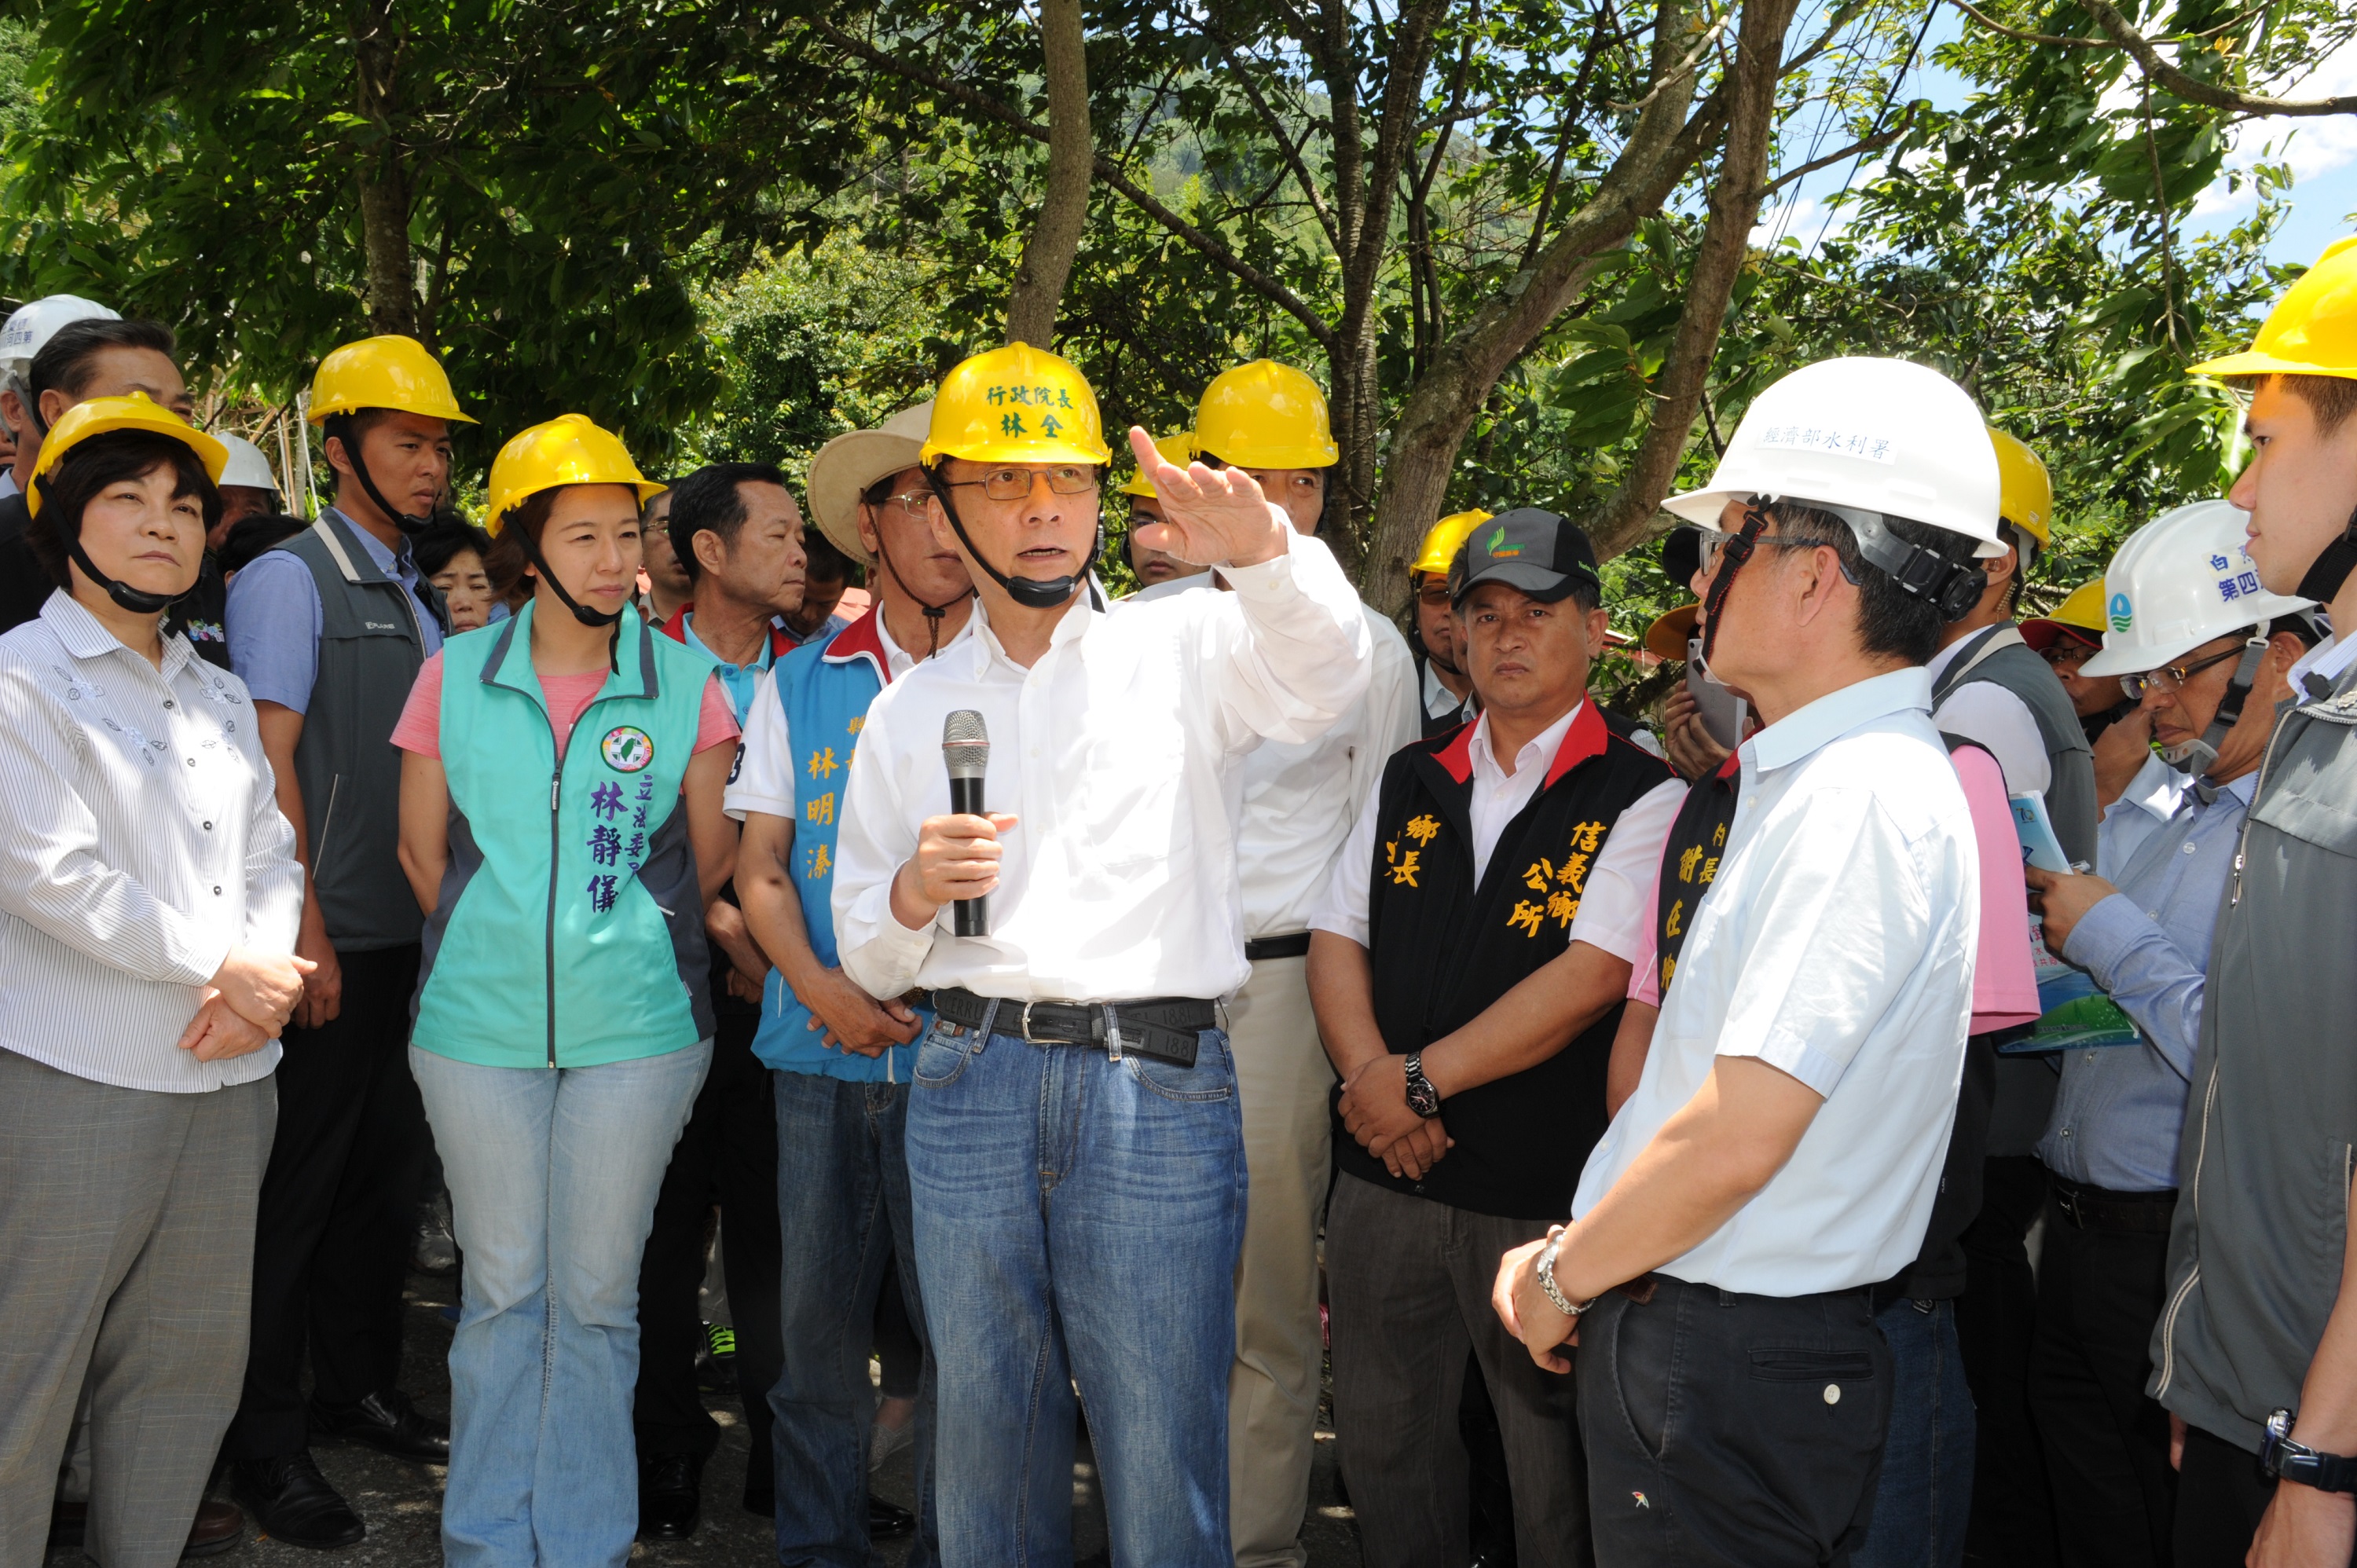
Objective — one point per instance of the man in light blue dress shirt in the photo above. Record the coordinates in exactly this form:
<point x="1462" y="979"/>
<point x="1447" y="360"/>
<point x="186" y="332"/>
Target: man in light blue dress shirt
<point x="2142" y="930"/>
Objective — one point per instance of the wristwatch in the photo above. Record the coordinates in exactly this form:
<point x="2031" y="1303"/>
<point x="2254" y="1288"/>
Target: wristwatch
<point x="1421" y="1098"/>
<point x="2285" y="1460"/>
<point x="1546" y="1271"/>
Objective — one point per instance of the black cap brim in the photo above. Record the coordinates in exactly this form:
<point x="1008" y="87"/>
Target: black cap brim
<point x="1527" y="577"/>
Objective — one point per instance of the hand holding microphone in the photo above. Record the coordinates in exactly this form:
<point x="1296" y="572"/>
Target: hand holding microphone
<point x="957" y="855"/>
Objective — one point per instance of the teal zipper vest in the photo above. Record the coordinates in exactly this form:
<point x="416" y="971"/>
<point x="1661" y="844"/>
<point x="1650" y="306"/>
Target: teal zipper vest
<point x="570" y="927"/>
<point x="824" y="689"/>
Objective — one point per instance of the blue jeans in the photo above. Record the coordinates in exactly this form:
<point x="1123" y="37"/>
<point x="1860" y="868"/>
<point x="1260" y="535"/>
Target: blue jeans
<point x="553" y="1180"/>
<point x="843" y="1215"/>
<point x="1926" y="1491"/>
<point x="1077" y="1218"/>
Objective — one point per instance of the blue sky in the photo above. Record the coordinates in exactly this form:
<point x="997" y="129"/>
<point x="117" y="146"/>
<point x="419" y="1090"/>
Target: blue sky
<point x="2322" y="154"/>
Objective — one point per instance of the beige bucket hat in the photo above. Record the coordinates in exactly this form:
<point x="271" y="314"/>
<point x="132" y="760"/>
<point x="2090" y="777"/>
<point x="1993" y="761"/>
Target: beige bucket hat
<point x="857" y="459"/>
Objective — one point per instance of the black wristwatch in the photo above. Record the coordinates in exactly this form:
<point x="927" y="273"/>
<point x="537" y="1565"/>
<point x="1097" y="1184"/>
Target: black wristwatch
<point x="2285" y="1460"/>
<point x="1421" y="1098"/>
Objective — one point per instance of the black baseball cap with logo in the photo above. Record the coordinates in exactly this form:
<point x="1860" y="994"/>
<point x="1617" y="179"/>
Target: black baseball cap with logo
<point x="1534" y="551"/>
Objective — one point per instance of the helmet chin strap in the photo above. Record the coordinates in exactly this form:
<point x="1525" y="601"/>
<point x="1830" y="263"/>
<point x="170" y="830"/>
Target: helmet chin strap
<point x="339" y="425"/>
<point x="934" y="614"/>
<point x="1732" y="557"/>
<point x="138" y="601"/>
<point x="2331" y="569"/>
<point x="1031" y="593"/>
<point x="581" y="612"/>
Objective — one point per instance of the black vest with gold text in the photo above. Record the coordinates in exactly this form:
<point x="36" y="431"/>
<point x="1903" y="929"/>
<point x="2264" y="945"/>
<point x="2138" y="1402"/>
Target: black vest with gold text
<point x="1442" y="950"/>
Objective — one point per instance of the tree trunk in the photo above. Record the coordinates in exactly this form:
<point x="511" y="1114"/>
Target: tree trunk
<point x="1718" y="262"/>
<point x="1441" y="408"/>
<point x="1055" y="237"/>
<point x="383" y="179"/>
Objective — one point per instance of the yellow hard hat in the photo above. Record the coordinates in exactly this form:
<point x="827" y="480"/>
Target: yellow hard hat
<point x="1016" y="405"/>
<point x="1266" y="415"/>
<point x="2025" y="493"/>
<point x="1443" y="539"/>
<point x="391" y="371"/>
<point x="2081" y="613"/>
<point x="104" y="415"/>
<point x="1179" y="450"/>
<point x="2313" y="330"/>
<point x="566" y="450"/>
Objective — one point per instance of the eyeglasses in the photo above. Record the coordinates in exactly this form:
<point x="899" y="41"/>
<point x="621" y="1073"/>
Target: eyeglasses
<point x="2065" y="658"/>
<point x="2169" y="679"/>
<point x="913" y="502"/>
<point x="1714" y="545"/>
<point x="1015" y="484"/>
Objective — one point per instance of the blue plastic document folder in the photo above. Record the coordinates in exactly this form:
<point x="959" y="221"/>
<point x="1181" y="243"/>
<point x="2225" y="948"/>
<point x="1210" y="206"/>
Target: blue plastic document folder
<point x="2074" y="1014"/>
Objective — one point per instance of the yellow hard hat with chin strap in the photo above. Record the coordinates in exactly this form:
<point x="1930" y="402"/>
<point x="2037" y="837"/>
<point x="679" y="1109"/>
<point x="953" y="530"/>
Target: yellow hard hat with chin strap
<point x="570" y="449"/>
<point x="100" y="416"/>
<point x="2313" y="330"/>
<point x="1444" y="539"/>
<point x="1266" y="415"/>
<point x="1023" y="406"/>
<point x="389" y="373"/>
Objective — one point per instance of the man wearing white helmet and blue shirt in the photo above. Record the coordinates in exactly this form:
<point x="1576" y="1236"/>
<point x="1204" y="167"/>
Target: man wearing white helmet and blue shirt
<point x="2195" y="638"/>
<point x="1783" y="1149"/>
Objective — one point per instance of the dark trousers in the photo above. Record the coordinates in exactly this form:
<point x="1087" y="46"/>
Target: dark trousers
<point x="338" y="1200"/>
<point x="2106" y="1443"/>
<point x="2220" y="1493"/>
<point x="728" y="1156"/>
<point x="1407" y="1283"/>
<point x="2012" y="1522"/>
<point x="1731" y="1431"/>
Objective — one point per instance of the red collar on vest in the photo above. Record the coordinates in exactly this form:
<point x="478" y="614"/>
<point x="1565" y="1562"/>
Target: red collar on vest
<point x="781" y="641"/>
<point x="1586" y="737"/>
<point x="1732" y="765"/>
<point x="861" y="639"/>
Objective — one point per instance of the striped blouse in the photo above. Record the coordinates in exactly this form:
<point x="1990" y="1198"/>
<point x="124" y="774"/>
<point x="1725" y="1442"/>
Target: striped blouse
<point x="143" y="842"/>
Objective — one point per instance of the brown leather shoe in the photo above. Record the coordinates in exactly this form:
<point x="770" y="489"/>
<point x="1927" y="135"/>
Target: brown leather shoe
<point x="219" y="1525"/>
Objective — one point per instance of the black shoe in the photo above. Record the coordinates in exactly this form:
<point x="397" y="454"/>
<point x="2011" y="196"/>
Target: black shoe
<point x="670" y="1496"/>
<point x="291" y="1501"/>
<point x="888" y="1522"/>
<point x="388" y="1422"/>
<point x="762" y="1502"/>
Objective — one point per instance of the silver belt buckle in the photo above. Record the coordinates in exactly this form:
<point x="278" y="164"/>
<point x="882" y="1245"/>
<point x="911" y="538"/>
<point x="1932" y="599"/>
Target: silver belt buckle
<point x="1027" y="1036"/>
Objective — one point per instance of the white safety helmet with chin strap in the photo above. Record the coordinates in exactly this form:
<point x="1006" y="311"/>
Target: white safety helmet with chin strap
<point x="1866" y="440"/>
<point x="2182" y="580"/>
<point x="29" y="330"/>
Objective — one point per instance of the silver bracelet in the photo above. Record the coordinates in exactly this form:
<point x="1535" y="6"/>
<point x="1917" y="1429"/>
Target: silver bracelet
<point x="1562" y="1303"/>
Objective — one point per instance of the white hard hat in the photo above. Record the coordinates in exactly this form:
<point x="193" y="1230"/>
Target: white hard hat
<point x="2181" y="580"/>
<point x="35" y="324"/>
<point x="1884" y="437"/>
<point x="246" y="464"/>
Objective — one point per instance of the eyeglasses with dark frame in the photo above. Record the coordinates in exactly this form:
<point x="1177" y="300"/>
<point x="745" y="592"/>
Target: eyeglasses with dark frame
<point x="2171" y="678"/>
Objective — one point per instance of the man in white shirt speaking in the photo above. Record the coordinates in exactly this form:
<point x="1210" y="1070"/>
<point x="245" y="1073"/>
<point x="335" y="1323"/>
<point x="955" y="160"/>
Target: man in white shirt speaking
<point x="1075" y="1155"/>
<point x="1782" y="1149"/>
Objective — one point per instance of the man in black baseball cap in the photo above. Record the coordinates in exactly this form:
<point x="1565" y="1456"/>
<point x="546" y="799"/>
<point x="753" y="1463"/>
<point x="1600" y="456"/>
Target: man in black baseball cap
<point x="1467" y="969"/>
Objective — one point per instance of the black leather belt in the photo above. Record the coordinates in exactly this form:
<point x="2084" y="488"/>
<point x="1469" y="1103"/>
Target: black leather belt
<point x="1293" y="944"/>
<point x="1162" y="1027"/>
<point x="2096" y="1208"/>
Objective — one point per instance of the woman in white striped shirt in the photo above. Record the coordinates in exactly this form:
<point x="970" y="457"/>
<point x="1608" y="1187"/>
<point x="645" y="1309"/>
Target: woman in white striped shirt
<point x="149" y="901"/>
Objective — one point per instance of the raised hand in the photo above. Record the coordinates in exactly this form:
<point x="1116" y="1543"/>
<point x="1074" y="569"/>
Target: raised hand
<point x="1212" y="517"/>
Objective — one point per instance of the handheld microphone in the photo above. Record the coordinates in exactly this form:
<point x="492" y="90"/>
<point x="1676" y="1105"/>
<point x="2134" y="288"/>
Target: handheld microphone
<point x="965" y="748"/>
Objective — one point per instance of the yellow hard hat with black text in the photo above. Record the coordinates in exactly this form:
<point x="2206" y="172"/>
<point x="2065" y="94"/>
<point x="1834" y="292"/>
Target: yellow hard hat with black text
<point x="1016" y="405"/>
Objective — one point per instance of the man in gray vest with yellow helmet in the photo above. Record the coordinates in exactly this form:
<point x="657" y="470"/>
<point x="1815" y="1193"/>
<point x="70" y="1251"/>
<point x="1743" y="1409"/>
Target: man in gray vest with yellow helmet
<point x="1988" y="685"/>
<point x="329" y="631"/>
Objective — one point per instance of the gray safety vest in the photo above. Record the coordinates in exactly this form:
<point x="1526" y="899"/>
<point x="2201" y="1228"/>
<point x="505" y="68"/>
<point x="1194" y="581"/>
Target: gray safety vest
<point x="2026" y="1085"/>
<point x="369" y="652"/>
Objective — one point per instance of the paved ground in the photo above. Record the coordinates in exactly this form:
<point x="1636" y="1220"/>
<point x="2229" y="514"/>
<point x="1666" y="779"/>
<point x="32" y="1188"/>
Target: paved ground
<point x="402" y="1502"/>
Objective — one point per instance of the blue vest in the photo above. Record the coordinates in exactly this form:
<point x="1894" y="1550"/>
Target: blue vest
<point x="570" y="928"/>
<point x="824" y="689"/>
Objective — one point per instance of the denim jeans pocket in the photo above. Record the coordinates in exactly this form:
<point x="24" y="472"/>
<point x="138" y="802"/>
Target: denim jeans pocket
<point x="943" y="1054"/>
<point x="1212" y="1078"/>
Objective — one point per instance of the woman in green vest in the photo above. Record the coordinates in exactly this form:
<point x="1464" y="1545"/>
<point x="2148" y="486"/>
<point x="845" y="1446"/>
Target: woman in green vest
<point x="562" y="1021"/>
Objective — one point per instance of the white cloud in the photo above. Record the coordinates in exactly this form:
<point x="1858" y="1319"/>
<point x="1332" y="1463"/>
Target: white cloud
<point x="2312" y="147"/>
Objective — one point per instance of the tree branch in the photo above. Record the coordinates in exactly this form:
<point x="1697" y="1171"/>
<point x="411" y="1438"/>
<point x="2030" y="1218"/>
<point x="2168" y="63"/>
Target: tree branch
<point x="2202" y="93"/>
<point x="1204" y="244"/>
<point x="1277" y="134"/>
<point x="2057" y="39"/>
<point x="1873" y="144"/>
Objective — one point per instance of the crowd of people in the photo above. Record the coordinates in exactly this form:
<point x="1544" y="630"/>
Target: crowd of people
<point x="1880" y="1108"/>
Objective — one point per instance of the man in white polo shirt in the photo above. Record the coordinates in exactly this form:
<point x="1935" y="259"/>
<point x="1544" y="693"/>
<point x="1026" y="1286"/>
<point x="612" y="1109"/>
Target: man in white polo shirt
<point x="1782" y="1149"/>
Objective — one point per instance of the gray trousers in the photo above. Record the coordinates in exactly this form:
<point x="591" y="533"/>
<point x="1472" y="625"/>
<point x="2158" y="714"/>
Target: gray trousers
<point x="1408" y="1288"/>
<point x="126" y="1261"/>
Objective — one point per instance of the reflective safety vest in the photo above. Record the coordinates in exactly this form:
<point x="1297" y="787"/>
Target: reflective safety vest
<point x="570" y="927"/>
<point x="824" y="689"/>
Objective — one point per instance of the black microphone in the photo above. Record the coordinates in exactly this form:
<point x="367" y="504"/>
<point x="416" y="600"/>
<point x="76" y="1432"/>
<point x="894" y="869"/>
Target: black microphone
<point x="965" y="747"/>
